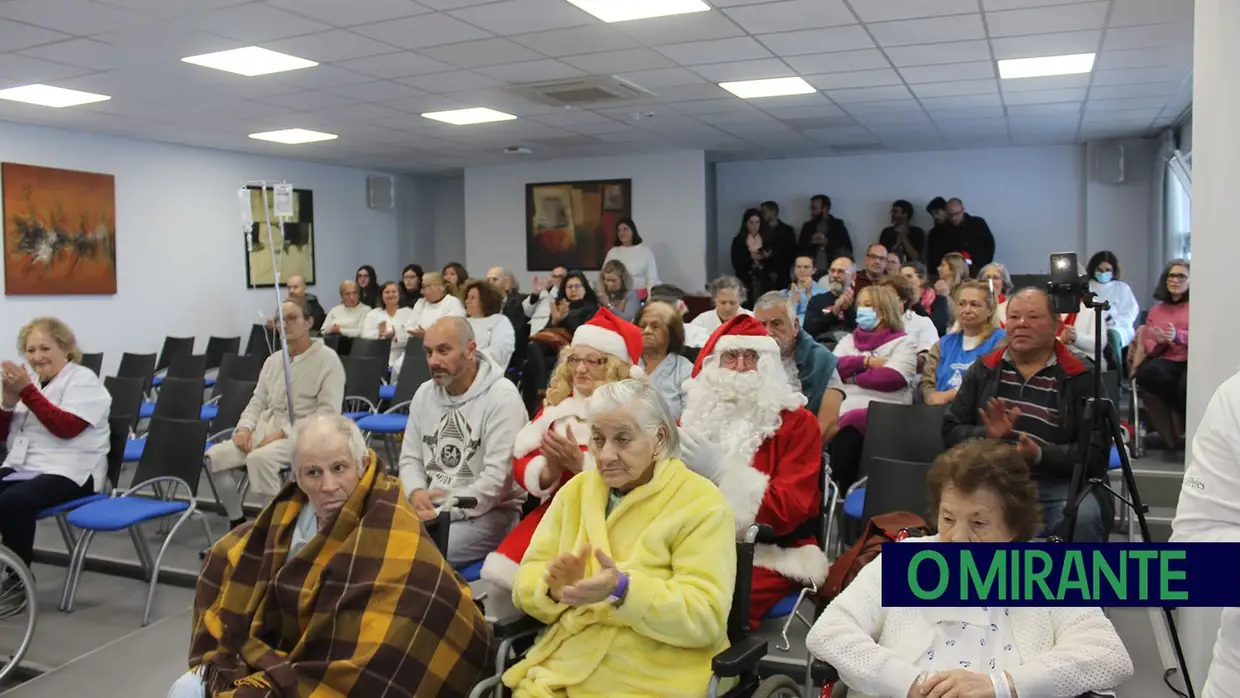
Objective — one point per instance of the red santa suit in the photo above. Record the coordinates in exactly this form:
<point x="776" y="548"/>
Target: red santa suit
<point x="777" y="482"/>
<point x="609" y="334"/>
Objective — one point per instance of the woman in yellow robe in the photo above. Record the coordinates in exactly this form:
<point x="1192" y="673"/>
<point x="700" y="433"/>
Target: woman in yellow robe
<point x="633" y="567"/>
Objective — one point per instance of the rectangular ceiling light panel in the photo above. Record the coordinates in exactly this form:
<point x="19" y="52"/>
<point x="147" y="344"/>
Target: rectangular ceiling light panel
<point x="1046" y="66"/>
<point x="469" y="117"/>
<point x="250" y="61"/>
<point x="48" y="96"/>
<point x="294" y="136"/>
<point x="626" y="10"/>
<point x="774" y="87"/>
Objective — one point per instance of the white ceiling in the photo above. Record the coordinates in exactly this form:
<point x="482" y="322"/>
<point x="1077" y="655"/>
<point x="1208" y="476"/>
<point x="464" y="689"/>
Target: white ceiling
<point x="893" y="75"/>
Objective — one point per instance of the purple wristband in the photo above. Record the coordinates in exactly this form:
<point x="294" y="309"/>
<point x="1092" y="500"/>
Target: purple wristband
<point x="622" y="588"/>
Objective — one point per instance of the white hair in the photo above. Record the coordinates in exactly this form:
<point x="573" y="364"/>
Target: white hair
<point x="727" y="283"/>
<point x="772" y="299"/>
<point x="644" y="402"/>
<point x="741" y="421"/>
<point x="335" y="424"/>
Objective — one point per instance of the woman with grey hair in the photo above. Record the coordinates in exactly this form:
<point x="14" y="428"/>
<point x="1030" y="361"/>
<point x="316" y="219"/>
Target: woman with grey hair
<point x="727" y="293"/>
<point x="633" y="565"/>
<point x="996" y="276"/>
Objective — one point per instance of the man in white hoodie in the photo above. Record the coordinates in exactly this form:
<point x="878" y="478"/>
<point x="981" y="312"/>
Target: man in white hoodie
<point x="462" y="424"/>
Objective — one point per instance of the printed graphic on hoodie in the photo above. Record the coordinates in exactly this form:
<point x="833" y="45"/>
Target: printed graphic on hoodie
<point x="452" y="446"/>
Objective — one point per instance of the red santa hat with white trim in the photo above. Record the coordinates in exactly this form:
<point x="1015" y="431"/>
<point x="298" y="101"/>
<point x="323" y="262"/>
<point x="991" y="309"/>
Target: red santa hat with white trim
<point x="741" y="332"/>
<point x="610" y="334"/>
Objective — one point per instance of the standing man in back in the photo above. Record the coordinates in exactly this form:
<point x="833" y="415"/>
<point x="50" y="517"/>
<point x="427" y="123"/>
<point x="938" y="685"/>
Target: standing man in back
<point x="824" y="237"/>
<point x="963" y="233"/>
<point x="458" y="441"/>
<point x="298" y="291"/>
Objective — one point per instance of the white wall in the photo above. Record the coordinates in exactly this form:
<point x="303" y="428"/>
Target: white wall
<point x="1032" y="198"/>
<point x="669" y="195"/>
<point x="1117" y="217"/>
<point x="449" y="223"/>
<point x="180" y="251"/>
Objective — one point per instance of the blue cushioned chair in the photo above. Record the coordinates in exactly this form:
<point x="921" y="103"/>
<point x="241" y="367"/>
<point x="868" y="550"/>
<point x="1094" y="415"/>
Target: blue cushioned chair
<point x="414" y="371"/>
<point x="170" y="462"/>
<point x="387" y="391"/>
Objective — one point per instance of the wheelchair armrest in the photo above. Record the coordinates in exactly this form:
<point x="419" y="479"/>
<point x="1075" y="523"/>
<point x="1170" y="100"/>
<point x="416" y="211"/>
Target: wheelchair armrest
<point x="512" y="626"/>
<point x="460" y="502"/>
<point x="760" y="533"/>
<point x="740" y="658"/>
<point x="823" y="673"/>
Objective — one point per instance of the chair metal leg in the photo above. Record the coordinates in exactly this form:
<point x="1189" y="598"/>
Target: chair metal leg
<point x="159" y="559"/>
<point x="787" y="644"/>
<point x="74" y="576"/>
<point x="139" y="546"/>
<point x="491" y="684"/>
<point x="66" y="531"/>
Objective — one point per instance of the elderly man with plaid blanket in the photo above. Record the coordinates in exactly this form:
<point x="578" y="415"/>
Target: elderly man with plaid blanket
<point x="336" y="590"/>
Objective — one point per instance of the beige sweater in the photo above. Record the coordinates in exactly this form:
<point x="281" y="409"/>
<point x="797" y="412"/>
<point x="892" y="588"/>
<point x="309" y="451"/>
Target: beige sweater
<point x="351" y="320"/>
<point x="318" y="387"/>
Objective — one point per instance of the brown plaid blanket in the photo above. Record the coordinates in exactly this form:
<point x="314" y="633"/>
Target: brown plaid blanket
<point x="370" y="608"/>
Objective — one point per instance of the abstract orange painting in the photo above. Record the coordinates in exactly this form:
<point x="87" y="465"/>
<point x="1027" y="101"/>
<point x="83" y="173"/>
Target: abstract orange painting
<point x="59" y="231"/>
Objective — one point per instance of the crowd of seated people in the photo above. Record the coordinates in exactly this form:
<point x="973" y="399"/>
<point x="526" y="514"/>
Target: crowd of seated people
<point x="600" y="514"/>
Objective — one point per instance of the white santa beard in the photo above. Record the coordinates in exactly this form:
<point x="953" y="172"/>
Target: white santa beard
<point x="739" y="411"/>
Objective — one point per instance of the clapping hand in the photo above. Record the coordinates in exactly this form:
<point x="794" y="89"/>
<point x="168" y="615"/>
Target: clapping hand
<point x="1029" y="449"/>
<point x="559" y="310"/>
<point x="596" y="588"/>
<point x="564" y="571"/>
<point x="15" y="380"/>
<point x="563" y="451"/>
<point x="998" y="419"/>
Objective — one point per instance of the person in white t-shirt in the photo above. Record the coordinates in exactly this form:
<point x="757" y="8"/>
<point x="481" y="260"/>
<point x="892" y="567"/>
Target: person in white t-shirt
<point x="390" y="321"/>
<point x="537" y="305"/>
<point x="55" y="419"/>
<point x="435" y="303"/>
<point x="635" y="256"/>
<point x="348" y="318"/>
<point x="493" y="331"/>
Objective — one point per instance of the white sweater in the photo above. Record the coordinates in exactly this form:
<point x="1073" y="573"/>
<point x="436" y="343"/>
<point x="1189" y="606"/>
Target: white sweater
<point x="400" y="322"/>
<point x="494" y="335"/>
<point x="426" y="313"/>
<point x="639" y="261"/>
<point x="1124" y="308"/>
<point x="1083" y="345"/>
<point x="351" y="320"/>
<point x="1063" y="652"/>
<point x="1209" y="511"/>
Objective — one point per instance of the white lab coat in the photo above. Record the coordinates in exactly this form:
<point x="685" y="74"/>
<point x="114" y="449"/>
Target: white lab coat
<point x="1209" y="511"/>
<point x="77" y="390"/>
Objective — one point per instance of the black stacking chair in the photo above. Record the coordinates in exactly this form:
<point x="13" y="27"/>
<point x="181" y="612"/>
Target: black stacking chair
<point x="414" y="371"/>
<point x="179" y="398"/>
<point x="126" y="395"/>
<point x="173" y="347"/>
<point x="242" y="367"/>
<point x="362" y="377"/>
<point x="187" y="366"/>
<point x="137" y="366"/>
<point x="895" y="485"/>
<point x="262" y="342"/>
<point x="217" y="347"/>
<point x="94" y="362"/>
<point x="374" y="348"/>
<point x="171" y="462"/>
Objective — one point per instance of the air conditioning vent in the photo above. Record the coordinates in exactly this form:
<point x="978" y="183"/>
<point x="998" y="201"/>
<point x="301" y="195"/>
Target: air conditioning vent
<point x="592" y="90"/>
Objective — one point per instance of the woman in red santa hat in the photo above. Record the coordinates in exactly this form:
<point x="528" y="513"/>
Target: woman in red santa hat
<point x="552" y="448"/>
<point x="746" y="428"/>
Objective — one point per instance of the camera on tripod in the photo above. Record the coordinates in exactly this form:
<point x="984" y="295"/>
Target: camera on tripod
<point x="1068" y="288"/>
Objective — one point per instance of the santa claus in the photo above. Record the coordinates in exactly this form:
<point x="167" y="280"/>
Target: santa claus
<point x="553" y="447"/>
<point x="745" y="427"/>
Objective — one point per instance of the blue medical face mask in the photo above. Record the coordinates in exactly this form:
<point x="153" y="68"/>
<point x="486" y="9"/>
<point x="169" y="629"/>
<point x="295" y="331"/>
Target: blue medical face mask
<point x="867" y="318"/>
<point x="1103" y="277"/>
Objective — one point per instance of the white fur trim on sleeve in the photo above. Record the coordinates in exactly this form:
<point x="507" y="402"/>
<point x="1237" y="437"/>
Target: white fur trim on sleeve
<point x="744" y="488"/>
<point x="499" y="570"/>
<point x="533" y="472"/>
<point x="603" y="340"/>
<point x="805" y="564"/>
<point x="755" y="342"/>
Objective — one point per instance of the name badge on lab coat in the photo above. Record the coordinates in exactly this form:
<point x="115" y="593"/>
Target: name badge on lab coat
<point x="17" y="454"/>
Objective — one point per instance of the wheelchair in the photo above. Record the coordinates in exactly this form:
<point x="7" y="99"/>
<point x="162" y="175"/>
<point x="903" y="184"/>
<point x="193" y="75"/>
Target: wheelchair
<point x="738" y="663"/>
<point x="21" y="600"/>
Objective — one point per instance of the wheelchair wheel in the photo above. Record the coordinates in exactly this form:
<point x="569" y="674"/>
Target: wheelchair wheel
<point x="18" y="609"/>
<point x="778" y="687"/>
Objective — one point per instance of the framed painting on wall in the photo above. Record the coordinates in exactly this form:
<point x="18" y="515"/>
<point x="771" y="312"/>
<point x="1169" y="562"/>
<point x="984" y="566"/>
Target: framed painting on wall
<point x="294" y="249"/>
<point x="574" y="223"/>
<point x="59" y="231"/>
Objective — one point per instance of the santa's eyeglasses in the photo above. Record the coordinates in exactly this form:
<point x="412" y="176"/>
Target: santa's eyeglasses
<point x="575" y="361"/>
<point x="735" y="356"/>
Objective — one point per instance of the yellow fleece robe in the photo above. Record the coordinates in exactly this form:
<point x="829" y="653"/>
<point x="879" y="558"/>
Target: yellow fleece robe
<point x="674" y="538"/>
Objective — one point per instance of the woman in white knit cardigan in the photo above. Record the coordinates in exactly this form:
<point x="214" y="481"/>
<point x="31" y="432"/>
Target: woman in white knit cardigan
<point x="983" y="492"/>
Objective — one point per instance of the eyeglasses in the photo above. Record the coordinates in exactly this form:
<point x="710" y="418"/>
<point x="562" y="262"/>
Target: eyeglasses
<point x="876" y="256"/>
<point x="575" y="361"/>
<point x="732" y="356"/>
<point x="574" y="287"/>
<point x="1177" y="277"/>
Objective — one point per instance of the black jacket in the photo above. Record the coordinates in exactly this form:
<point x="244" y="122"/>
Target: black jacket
<point x="784" y="253"/>
<point x="758" y="278"/>
<point x="317" y="314"/>
<point x="971" y="237"/>
<point x="839" y="243"/>
<point x="937" y="312"/>
<point x="916" y="239"/>
<point x="819" y="320"/>
<point x="1074" y="383"/>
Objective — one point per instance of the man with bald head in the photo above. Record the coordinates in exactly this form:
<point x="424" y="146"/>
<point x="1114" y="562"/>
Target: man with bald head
<point x="513" y="309"/>
<point x="1032" y="393"/>
<point x="458" y="441"/>
<point x="298" y="291"/>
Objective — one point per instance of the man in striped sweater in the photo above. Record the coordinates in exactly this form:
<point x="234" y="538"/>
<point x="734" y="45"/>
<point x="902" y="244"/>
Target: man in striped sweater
<point x="1032" y="393"/>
